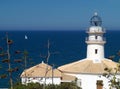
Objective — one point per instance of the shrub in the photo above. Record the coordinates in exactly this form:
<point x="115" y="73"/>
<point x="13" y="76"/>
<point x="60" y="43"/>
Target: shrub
<point x="50" y="86"/>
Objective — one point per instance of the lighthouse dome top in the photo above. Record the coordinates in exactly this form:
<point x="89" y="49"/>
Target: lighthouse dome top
<point x="96" y="20"/>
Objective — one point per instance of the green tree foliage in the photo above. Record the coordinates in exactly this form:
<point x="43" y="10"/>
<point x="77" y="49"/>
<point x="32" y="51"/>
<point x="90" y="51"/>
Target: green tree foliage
<point x="71" y="85"/>
<point x="50" y="86"/>
<point x="114" y="81"/>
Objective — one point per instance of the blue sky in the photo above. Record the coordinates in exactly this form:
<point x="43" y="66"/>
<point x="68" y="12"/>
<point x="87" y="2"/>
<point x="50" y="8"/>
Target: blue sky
<point x="57" y="14"/>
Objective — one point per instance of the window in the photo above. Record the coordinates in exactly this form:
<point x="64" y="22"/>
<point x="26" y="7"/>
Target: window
<point x="96" y="51"/>
<point x="96" y="37"/>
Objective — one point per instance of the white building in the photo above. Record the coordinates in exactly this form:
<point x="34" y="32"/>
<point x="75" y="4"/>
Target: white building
<point x="44" y="74"/>
<point x="41" y="73"/>
<point x="89" y="71"/>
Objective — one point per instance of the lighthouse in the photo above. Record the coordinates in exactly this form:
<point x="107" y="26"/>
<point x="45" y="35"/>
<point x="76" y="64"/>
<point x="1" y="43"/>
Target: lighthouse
<point x="95" y="40"/>
<point x="89" y="71"/>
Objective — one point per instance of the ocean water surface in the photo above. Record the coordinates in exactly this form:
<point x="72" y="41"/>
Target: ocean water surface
<point x="65" y="47"/>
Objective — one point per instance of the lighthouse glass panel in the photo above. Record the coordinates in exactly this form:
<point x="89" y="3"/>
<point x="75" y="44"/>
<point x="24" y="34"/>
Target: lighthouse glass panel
<point x="96" y="20"/>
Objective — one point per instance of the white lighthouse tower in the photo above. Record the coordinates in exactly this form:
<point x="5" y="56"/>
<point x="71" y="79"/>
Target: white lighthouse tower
<point x="95" y="40"/>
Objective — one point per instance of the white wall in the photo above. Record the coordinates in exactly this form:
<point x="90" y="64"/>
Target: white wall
<point x="41" y="80"/>
<point x="96" y="29"/>
<point x="85" y="81"/>
<point x="89" y="81"/>
<point x="91" y="51"/>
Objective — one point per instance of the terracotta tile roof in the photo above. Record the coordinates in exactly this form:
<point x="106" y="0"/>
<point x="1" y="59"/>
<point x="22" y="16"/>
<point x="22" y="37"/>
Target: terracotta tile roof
<point x="88" y="66"/>
<point x="40" y="71"/>
<point x="66" y="77"/>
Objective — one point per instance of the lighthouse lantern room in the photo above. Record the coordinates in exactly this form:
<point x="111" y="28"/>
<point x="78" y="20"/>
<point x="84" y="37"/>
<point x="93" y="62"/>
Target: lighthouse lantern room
<point x="95" y="40"/>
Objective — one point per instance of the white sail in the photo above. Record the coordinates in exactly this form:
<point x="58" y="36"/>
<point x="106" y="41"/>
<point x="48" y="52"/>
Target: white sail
<point x="26" y="37"/>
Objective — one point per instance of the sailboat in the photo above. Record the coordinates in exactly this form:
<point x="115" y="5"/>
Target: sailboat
<point x="26" y="37"/>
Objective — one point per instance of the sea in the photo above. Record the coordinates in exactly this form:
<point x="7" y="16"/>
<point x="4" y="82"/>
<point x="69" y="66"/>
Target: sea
<point x="64" y="46"/>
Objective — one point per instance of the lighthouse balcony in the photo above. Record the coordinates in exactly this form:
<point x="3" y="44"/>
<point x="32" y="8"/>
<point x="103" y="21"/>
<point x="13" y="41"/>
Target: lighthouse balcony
<point x="96" y="31"/>
<point x="95" y="41"/>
